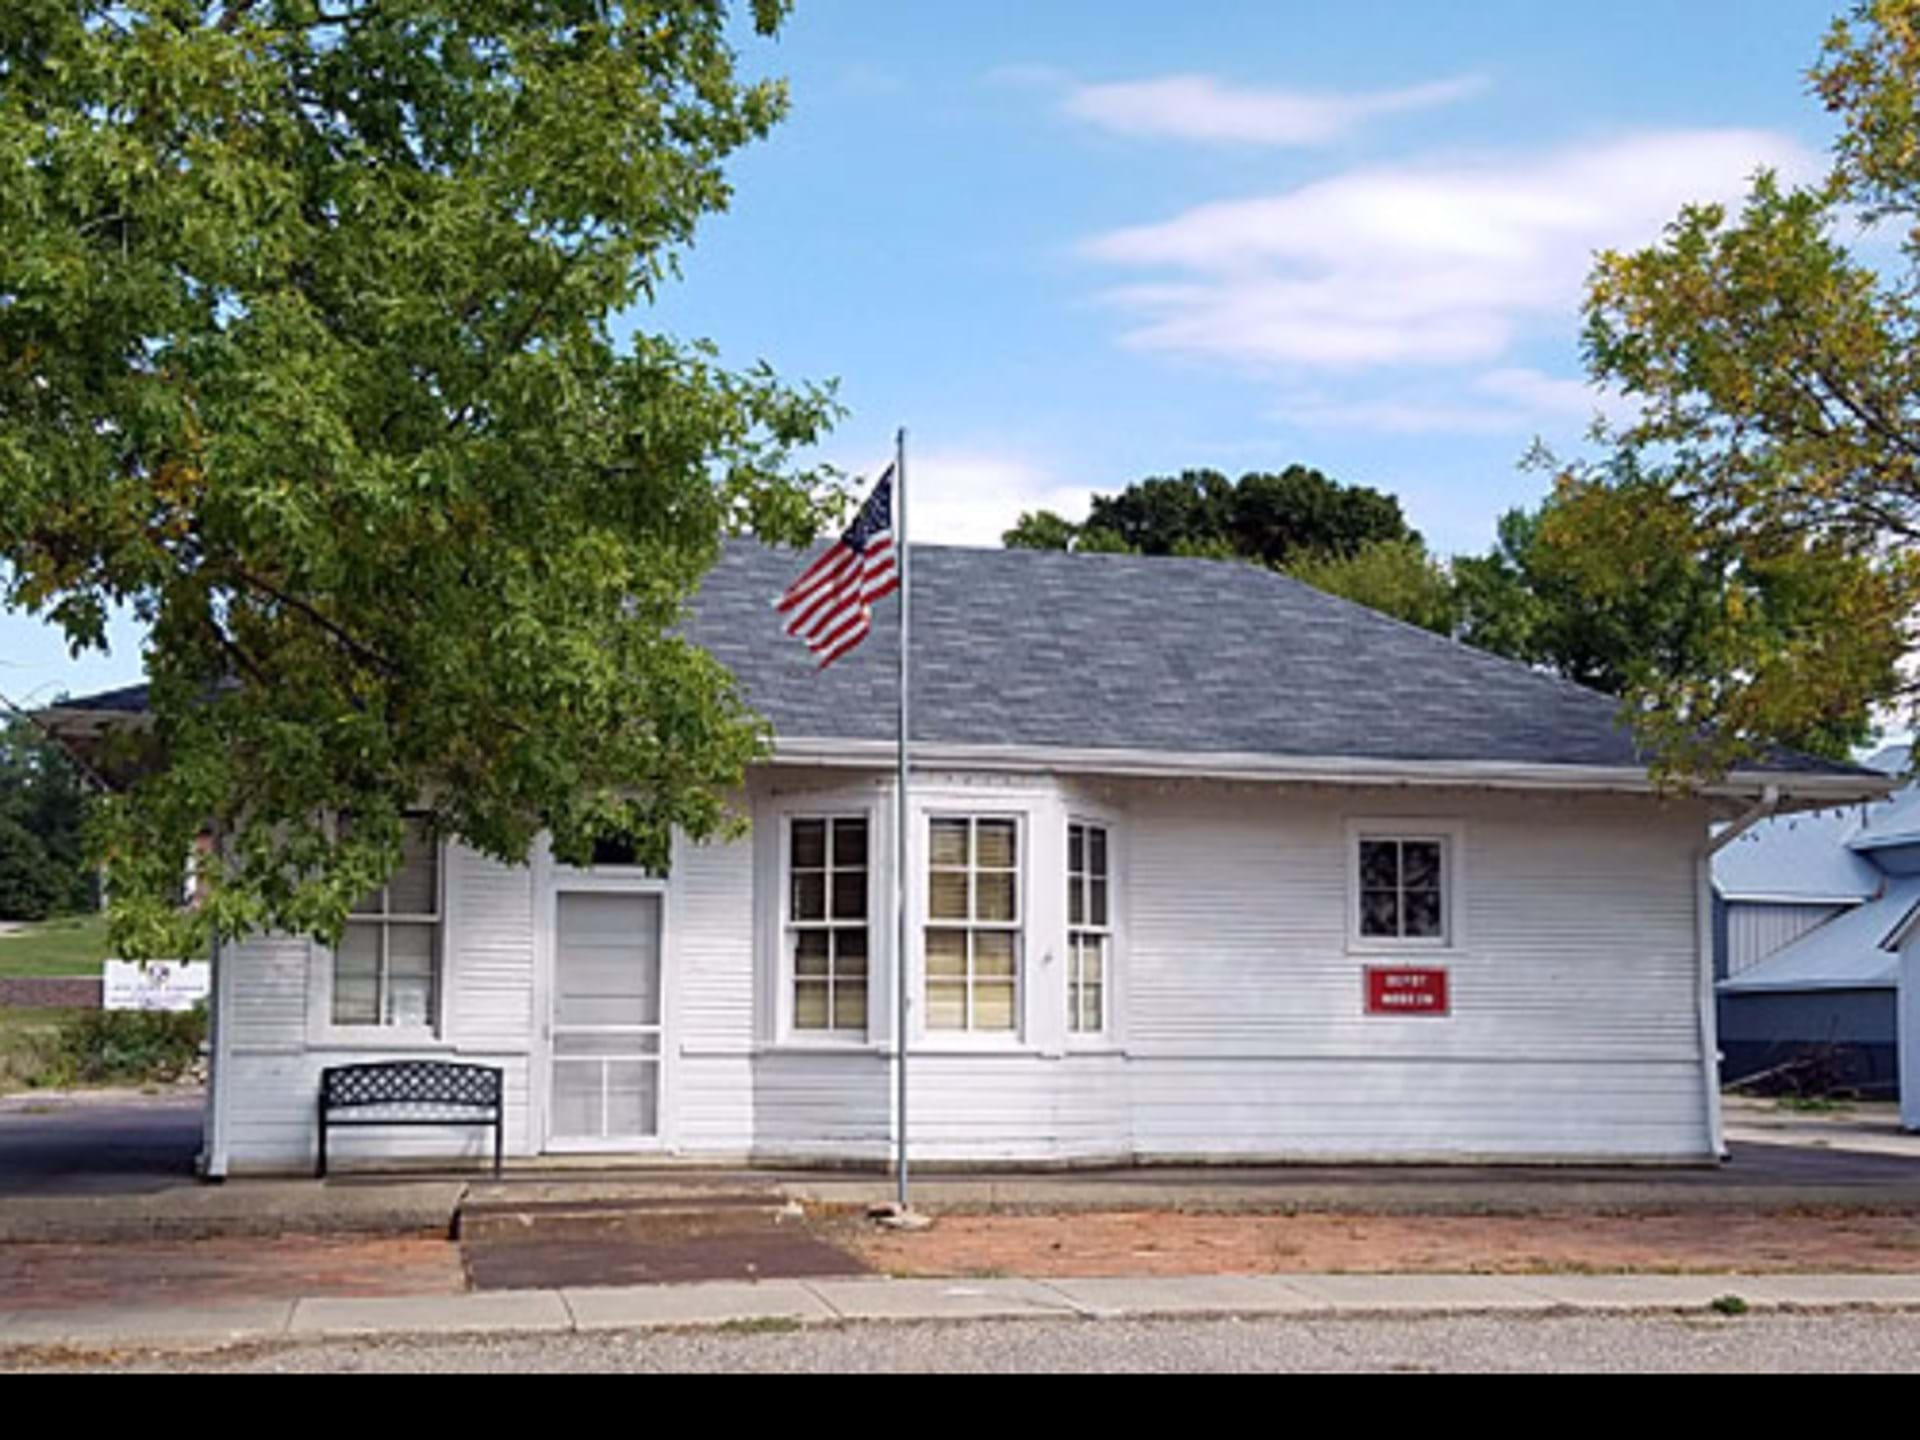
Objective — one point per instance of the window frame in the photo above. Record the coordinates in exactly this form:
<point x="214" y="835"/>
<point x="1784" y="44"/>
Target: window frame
<point x="788" y="928"/>
<point x="1450" y="836"/>
<point x="1107" y="932"/>
<point x="970" y="1036"/>
<point x="323" y="1029"/>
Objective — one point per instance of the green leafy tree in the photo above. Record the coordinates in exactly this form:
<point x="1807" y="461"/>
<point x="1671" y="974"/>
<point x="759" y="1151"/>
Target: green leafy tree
<point x="1266" y="518"/>
<point x="309" y="355"/>
<point x="43" y="801"/>
<point x="1396" y="577"/>
<point x="1777" y="373"/>
<point x="1613" y="584"/>
<point x="1041" y="530"/>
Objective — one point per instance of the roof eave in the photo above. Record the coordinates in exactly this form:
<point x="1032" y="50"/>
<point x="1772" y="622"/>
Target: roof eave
<point x="1803" y="790"/>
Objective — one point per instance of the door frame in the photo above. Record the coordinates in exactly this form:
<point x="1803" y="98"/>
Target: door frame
<point x="551" y="880"/>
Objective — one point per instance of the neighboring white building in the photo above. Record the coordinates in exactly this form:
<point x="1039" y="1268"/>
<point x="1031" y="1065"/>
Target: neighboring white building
<point x="1207" y="866"/>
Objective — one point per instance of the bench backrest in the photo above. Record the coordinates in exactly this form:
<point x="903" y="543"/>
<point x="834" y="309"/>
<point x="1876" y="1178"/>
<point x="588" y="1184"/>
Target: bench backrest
<point x="411" y="1082"/>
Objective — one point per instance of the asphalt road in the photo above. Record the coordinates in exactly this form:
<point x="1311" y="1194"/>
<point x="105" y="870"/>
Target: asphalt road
<point x="1854" y="1343"/>
<point x="98" y="1146"/>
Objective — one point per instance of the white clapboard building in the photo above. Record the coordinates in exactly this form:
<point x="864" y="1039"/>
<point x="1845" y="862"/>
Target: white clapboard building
<point x="1206" y="866"/>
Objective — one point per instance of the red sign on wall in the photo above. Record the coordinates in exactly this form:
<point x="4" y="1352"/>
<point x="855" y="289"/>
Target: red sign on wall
<point x="1401" y="991"/>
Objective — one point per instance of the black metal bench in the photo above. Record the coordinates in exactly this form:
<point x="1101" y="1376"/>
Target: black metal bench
<point x="414" y="1093"/>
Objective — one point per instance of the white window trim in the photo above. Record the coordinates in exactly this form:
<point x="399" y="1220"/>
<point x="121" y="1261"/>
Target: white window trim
<point x="321" y="1029"/>
<point x="986" y="806"/>
<point x="786" y="1029"/>
<point x="1452" y="837"/>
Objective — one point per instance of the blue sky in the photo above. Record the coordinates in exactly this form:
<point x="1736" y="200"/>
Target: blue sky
<point x="1072" y="244"/>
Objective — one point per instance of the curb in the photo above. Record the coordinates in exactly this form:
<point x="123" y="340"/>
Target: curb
<point x="217" y="1212"/>
<point x="779" y="1305"/>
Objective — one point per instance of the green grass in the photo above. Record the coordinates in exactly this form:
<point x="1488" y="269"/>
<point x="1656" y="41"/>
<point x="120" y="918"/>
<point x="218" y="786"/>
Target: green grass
<point x="72" y="945"/>
<point x="26" y="1037"/>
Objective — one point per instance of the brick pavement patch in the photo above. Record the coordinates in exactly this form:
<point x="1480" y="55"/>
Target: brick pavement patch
<point x="48" y="1277"/>
<point x="543" y="1250"/>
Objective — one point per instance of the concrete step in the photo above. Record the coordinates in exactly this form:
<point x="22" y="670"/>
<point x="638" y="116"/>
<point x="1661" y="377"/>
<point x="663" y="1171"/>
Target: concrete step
<point x="633" y="1218"/>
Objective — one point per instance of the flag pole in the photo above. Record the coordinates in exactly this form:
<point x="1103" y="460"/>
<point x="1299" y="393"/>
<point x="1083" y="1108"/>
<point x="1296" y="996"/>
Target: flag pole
<point x="901" y="969"/>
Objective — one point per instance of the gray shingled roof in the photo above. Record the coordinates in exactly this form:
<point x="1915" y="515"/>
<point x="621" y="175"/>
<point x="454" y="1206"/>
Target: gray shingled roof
<point x="1112" y="652"/>
<point x="1115" y="652"/>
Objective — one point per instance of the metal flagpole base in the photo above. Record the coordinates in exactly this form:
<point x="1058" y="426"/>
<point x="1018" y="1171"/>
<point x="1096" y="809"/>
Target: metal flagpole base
<point x="899" y="1217"/>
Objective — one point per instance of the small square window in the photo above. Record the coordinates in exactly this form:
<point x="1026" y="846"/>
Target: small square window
<point x="1402" y="889"/>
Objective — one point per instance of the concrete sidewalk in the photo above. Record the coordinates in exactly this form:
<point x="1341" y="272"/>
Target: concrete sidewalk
<point x="788" y="1303"/>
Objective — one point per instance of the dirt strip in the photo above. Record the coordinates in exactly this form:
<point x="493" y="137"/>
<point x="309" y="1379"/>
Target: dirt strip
<point x="1162" y="1243"/>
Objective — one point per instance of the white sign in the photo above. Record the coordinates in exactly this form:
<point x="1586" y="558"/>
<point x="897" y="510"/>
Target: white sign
<point x="156" y="985"/>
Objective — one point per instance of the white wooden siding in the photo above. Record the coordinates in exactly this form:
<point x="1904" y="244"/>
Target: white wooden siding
<point x="273" y="1080"/>
<point x="1755" y="931"/>
<point x="1574" y="1032"/>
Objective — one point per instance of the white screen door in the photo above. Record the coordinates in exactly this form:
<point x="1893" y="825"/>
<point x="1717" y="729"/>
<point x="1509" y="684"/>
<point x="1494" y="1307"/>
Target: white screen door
<point x="606" y="1021"/>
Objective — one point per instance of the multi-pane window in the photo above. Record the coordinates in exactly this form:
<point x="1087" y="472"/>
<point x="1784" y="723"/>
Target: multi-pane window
<point x="1089" y="928"/>
<point x="827" y="863"/>
<point x="386" y="968"/>
<point x="973" y="929"/>
<point x="1403" y="889"/>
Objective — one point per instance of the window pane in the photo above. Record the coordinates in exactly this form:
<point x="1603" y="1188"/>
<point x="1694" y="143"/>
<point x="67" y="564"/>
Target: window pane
<point x="1097" y="898"/>
<point x="850" y="1005"/>
<point x="810" y="1011"/>
<point x="993" y="897"/>
<point x="410" y="975"/>
<point x="809" y="895"/>
<point x="356" y="976"/>
<point x="615" y="852"/>
<point x="849" y="844"/>
<point x="356" y="1001"/>
<point x="415" y="889"/>
<point x="996" y="842"/>
<point x="410" y="950"/>
<point x="809" y="844"/>
<point x="850" y="895"/>
<point x="1421" y="865"/>
<point x="849" y="954"/>
<point x="810" y="953"/>
<point x="1093" y="961"/>
<point x="1097" y="851"/>
<point x="1380" y="913"/>
<point x="947" y="895"/>
<point x="946" y="1005"/>
<point x="410" y="1002"/>
<point x="993" y="953"/>
<point x="1379" y="864"/>
<point x="1423" y="915"/>
<point x="1091" y="1019"/>
<point x="947" y="952"/>
<point x="1076" y="900"/>
<point x="949" y="842"/>
<point x="1076" y="848"/>
<point x="993" y="1006"/>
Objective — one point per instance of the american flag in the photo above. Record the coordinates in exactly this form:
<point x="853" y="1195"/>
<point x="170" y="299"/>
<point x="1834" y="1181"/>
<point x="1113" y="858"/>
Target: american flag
<point x="830" y="607"/>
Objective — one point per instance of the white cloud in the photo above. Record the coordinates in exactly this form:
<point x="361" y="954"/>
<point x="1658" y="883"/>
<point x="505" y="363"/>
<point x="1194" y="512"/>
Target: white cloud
<point x="1514" y="401"/>
<point x="1422" y="264"/>
<point x="961" y="498"/>
<point x="1199" y="107"/>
